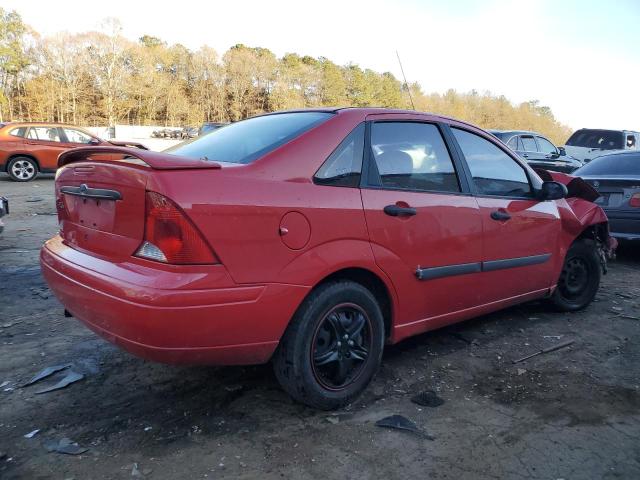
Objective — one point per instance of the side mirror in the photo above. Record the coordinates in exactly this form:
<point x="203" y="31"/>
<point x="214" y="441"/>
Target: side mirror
<point x="94" y="141"/>
<point x="552" y="191"/>
<point x="562" y="151"/>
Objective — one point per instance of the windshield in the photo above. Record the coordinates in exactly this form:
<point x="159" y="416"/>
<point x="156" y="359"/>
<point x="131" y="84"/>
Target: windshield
<point x="602" y="139"/>
<point x="621" y="164"/>
<point x="248" y="140"/>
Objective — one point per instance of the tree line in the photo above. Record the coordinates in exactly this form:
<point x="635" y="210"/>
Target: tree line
<point x="103" y="78"/>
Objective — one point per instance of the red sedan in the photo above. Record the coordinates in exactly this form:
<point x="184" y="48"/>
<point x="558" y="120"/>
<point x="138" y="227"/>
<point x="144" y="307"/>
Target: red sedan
<point x="313" y="238"/>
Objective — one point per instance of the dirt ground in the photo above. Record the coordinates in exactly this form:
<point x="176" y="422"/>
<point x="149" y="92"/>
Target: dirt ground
<point x="570" y="414"/>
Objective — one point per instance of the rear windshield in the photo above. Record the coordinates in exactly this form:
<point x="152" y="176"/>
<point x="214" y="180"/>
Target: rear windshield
<point x="603" y="139"/>
<point x="247" y="140"/>
<point x="621" y="164"/>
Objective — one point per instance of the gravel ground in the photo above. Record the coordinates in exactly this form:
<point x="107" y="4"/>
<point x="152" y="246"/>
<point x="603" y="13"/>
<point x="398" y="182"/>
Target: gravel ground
<point x="573" y="413"/>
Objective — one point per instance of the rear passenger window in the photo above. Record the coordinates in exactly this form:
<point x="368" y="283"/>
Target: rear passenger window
<point x="343" y="167"/>
<point x="412" y="156"/>
<point x="529" y="144"/>
<point x="493" y="171"/>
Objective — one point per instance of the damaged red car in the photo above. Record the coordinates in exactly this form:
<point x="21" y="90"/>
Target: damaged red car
<point x="313" y="238"/>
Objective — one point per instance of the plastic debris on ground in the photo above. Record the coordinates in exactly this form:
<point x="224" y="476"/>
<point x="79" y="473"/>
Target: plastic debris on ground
<point x="65" y="446"/>
<point x="428" y="398"/>
<point x="398" y="422"/>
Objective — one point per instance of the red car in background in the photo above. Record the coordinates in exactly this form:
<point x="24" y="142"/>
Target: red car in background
<point x="29" y="148"/>
<point x="313" y="238"/>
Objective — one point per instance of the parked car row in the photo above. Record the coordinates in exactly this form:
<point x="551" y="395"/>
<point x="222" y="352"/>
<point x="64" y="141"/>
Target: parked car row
<point x="187" y="132"/>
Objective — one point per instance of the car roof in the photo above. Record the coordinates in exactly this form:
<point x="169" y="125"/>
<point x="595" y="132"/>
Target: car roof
<point x="608" y="130"/>
<point x="365" y="111"/>
<point x="38" y="124"/>
<point x="515" y="132"/>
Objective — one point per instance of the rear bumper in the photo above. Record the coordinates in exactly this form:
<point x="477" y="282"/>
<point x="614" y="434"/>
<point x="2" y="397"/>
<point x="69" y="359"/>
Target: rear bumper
<point x="622" y="225"/>
<point x="235" y="325"/>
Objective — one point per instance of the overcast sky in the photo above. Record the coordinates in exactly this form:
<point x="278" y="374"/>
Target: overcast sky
<point x="581" y="58"/>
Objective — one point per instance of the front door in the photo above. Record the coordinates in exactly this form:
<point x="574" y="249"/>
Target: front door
<point x="521" y="233"/>
<point x="424" y="226"/>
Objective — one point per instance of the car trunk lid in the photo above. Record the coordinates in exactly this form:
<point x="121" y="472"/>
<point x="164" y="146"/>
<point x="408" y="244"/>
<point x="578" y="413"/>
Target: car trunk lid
<point x="101" y="204"/>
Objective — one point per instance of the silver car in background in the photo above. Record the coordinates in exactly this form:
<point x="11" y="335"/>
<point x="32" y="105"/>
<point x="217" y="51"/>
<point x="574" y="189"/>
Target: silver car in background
<point x="616" y="177"/>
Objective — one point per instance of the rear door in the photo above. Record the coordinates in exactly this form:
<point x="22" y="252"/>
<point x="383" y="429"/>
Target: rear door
<point x="521" y="233"/>
<point x="45" y="143"/>
<point x="424" y="226"/>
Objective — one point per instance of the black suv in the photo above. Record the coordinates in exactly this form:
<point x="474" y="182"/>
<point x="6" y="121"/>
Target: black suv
<point x="538" y="151"/>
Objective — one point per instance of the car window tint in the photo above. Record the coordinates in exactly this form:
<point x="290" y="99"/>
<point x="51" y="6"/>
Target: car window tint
<point x="18" y="132"/>
<point x="344" y="165"/>
<point x="412" y="156"/>
<point x="76" y="136"/>
<point x="48" y="134"/>
<point x="546" y="146"/>
<point x="493" y="171"/>
<point x="528" y="143"/>
<point x="513" y="143"/>
<point x="248" y="140"/>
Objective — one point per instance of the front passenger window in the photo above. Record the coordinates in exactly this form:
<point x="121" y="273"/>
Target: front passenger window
<point x="412" y="156"/>
<point x="493" y="171"/>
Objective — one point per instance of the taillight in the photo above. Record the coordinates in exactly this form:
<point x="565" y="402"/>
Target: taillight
<point x="634" y="201"/>
<point x="169" y="235"/>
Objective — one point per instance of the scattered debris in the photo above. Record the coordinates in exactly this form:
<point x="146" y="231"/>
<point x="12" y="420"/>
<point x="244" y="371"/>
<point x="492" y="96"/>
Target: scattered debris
<point x="4" y="384"/>
<point x="399" y="422"/>
<point x="32" y="434"/>
<point x="334" y="420"/>
<point x="428" y="398"/>
<point x="64" y="445"/>
<point x="34" y="199"/>
<point x="545" y="350"/>
<point x="135" y="472"/>
<point x="521" y="371"/>
<point x="70" y="378"/>
<point x="148" y="429"/>
<point x="47" y="372"/>
<point x="557" y="337"/>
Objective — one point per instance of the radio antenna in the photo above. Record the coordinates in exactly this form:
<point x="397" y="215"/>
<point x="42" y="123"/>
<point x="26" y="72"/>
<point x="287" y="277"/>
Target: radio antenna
<point x="405" y="81"/>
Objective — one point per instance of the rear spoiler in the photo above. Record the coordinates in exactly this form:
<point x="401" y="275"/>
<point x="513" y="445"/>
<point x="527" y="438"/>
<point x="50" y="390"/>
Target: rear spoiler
<point x="155" y="160"/>
<point x="119" y="143"/>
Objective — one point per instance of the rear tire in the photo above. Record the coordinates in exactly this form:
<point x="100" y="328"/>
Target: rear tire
<point x="22" y="169"/>
<point x="333" y="346"/>
<point x="580" y="277"/>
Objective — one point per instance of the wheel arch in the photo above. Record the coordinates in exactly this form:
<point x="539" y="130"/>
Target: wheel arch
<point x="372" y="282"/>
<point x="16" y="155"/>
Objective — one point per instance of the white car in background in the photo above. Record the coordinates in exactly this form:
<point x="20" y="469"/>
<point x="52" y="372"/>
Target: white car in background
<point x="588" y="143"/>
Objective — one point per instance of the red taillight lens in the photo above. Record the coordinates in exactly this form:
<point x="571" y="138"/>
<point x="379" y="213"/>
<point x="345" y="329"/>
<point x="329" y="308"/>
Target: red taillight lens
<point x="170" y="237"/>
<point x="634" y="201"/>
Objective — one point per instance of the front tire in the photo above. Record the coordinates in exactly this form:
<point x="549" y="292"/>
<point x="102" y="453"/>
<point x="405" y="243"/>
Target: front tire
<point x="580" y="277"/>
<point x="332" y="347"/>
<point x="22" y="169"/>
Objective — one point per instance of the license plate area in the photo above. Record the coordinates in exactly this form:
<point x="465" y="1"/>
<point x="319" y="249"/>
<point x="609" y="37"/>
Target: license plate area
<point x="93" y="213"/>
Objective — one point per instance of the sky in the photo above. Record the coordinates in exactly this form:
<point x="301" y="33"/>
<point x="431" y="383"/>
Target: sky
<point x="581" y="58"/>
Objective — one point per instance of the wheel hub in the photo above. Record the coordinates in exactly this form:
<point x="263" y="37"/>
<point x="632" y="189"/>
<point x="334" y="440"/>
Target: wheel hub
<point x="341" y="346"/>
<point x="575" y="277"/>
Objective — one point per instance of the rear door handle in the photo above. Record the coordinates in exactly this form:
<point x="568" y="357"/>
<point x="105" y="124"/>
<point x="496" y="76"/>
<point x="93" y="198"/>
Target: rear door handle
<point x="500" y="215"/>
<point x="525" y="155"/>
<point x="396" y="211"/>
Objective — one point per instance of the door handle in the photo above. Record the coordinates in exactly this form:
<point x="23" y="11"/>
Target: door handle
<point x="525" y="155"/>
<point x="396" y="211"/>
<point x="500" y="215"/>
